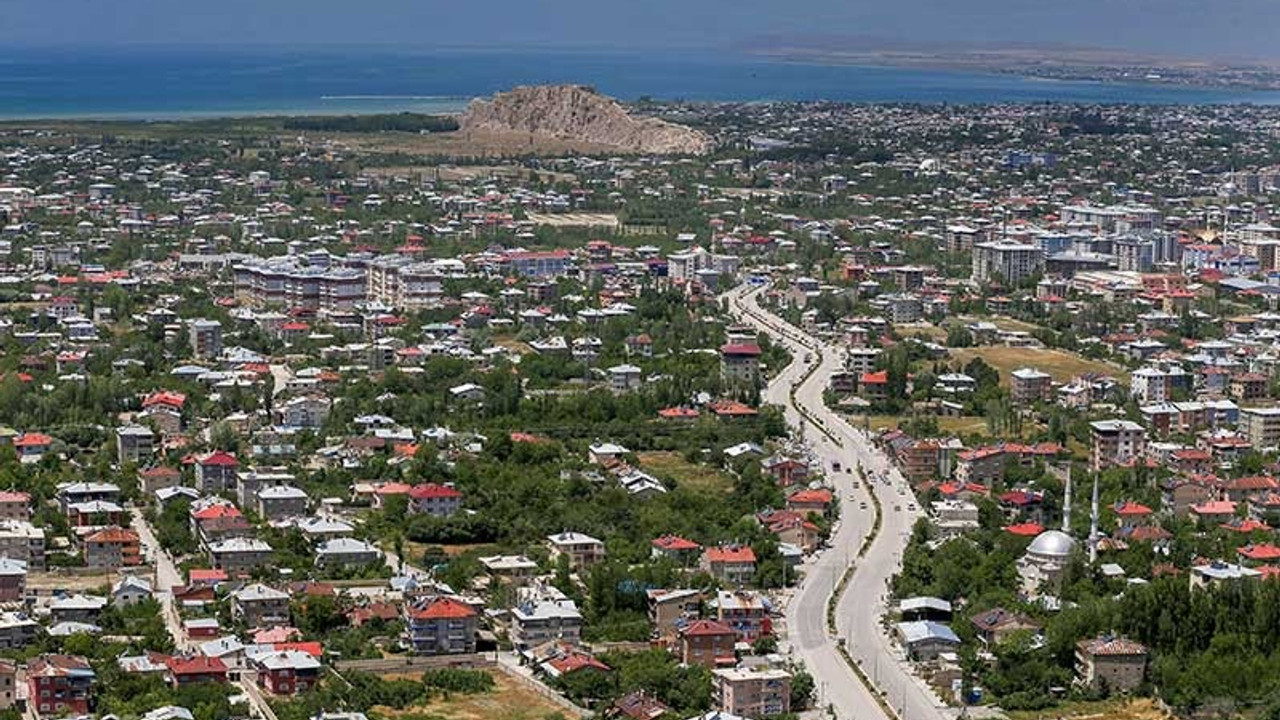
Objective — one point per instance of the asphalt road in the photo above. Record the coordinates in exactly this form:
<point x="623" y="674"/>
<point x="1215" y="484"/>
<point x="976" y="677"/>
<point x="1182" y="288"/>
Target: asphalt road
<point x="862" y="604"/>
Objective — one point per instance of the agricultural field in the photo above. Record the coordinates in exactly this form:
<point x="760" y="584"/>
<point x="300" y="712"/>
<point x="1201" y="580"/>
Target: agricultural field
<point x="1060" y="364"/>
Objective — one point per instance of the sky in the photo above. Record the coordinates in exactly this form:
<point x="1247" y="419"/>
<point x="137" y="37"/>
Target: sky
<point x="1178" y="28"/>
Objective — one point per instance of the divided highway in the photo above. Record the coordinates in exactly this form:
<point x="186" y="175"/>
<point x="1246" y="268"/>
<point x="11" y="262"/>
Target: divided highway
<point x="887" y="688"/>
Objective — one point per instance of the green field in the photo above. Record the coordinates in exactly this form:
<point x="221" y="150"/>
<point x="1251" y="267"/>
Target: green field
<point x="1060" y="364"/>
<point x="667" y="464"/>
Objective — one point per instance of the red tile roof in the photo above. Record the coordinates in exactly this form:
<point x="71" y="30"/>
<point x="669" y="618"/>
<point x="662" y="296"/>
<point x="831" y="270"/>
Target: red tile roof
<point x="433" y="490"/>
<point x="442" y="607"/>
<point x="675" y="544"/>
<point x="1027" y="529"/>
<point x="219" y="458"/>
<point x="196" y="665"/>
<point x="731" y="554"/>
<point x="1263" y="552"/>
<point x="706" y="628"/>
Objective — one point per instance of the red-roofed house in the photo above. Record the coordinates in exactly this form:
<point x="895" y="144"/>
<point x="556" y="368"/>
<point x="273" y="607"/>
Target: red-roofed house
<point x="111" y="548"/>
<point x="60" y="685"/>
<point x="15" y="505"/>
<point x="1028" y="529"/>
<point x="740" y="361"/>
<point x="788" y="471"/>
<point x="708" y="643"/>
<point x="810" y="501"/>
<point x="677" y="548"/>
<point x="574" y="661"/>
<point x="874" y="385"/>
<point x="434" y="499"/>
<point x="1263" y="552"/>
<point x="440" y="626"/>
<point x="732" y="564"/>
<point x="158" y="478"/>
<point x="216" y="472"/>
<point x="389" y="489"/>
<point x="731" y="409"/>
<point x="1214" y="512"/>
<point x="1132" y="513"/>
<point x="196" y="669"/>
<point x="32" y="446"/>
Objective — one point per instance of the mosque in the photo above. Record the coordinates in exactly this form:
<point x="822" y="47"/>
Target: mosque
<point x="1040" y="568"/>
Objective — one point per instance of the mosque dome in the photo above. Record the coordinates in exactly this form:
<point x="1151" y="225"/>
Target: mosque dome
<point x="1052" y="544"/>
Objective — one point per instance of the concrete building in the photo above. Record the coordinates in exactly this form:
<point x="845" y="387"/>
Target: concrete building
<point x="440" y="626"/>
<point x="60" y="685"/>
<point x="1116" y="442"/>
<point x="1028" y="386"/>
<point x="582" y="550"/>
<point x="752" y="693"/>
<point x="206" y="338"/>
<point x="134" y="444"/>
<point x="740" y="361"/>
<point x="1262" y="426"/>
<point x="1006" y="262"/>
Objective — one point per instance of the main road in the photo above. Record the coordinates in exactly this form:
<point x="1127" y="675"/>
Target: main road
<point x="799" y="388"/>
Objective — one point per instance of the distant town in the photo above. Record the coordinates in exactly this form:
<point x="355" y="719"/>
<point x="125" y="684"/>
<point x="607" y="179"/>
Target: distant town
<point x="574" y="409"/>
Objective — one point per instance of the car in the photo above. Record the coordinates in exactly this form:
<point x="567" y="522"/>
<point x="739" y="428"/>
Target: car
<point x="897" y="508"/>
<point x="912" y="507"/>
<point x="862" y="506"/>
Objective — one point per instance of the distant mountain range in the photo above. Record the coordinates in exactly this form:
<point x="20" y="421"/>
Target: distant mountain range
<point x="1034" y="60"/>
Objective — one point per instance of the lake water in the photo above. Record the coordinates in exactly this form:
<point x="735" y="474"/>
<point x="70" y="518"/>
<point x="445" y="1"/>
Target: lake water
<point x="172" y="84"/>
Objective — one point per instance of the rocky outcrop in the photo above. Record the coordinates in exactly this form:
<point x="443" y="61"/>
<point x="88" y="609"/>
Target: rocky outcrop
<point x="574" y="112"/>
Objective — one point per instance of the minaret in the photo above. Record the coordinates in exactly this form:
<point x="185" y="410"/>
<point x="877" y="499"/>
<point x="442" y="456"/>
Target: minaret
<point x="1093" y="524"/>
<point x="1066" y="503"/>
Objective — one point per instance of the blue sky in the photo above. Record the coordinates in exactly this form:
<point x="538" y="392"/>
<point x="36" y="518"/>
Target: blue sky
<point x="1204" y="28"/>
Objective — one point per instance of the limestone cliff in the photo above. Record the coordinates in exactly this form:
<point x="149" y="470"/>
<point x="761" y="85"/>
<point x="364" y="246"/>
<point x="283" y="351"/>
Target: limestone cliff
<point x="580" y="113"/>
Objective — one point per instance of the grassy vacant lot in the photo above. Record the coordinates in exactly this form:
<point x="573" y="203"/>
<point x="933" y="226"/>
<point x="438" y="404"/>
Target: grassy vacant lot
<point x="509" y="700"/>
<point x="959" y="425"/>
<point x="1114" y="709"/>
<point x="1061" y="365"/>
<point x="667" y="464"/>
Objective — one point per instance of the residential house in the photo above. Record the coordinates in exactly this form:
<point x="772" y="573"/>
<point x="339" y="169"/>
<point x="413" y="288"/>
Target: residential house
<point x="732" y="564"/>
<point x="286" y="672"/>
<point x="1116" y="442"/>
<point x="131" y="590"/>
<point x="1117" y="664"/>
<point x="216" y="472"/>
<point x="434" y="499"/>
<point x="112" y="548"/>
<point x="752" y="693"/>
<point x="239" y="554"/>
<point x="196" y="669"/>
<point x="134" y="444"/>
<point x="258" y="605"/>
<point x="440" y="626"/>
<point x="60" y="685"/>
<point x="279" y="502"/>
<point x="996" y="625"/>
<point x="582" y="550"/>
<point x="13" y="580"/>
<point x="746" y="612"/>
<point x="669" y="610"/>
<point x="346" y="553"/>
<point x="708" y="643"/>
